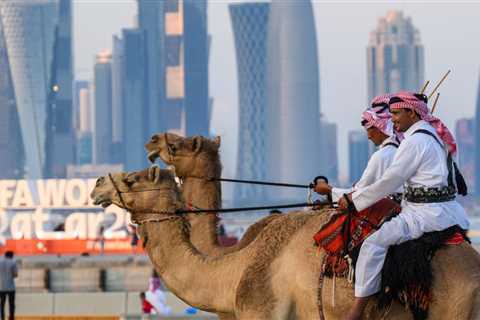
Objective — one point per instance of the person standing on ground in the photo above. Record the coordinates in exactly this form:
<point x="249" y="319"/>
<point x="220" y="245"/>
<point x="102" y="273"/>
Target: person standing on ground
<point x="101" y="239"/>
<point x="8" y="272"/>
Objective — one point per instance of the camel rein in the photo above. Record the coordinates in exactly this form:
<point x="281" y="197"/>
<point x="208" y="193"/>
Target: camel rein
<point x="177" y="213"/>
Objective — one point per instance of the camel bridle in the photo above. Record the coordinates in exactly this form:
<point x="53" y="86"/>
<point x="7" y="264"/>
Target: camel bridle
<point x="172" y="214"/>
<point x="170" y="151"/>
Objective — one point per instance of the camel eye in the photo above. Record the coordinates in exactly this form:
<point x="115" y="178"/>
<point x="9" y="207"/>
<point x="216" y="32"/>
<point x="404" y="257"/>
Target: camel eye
<point x="99" y="181"/>
<point x="154" y="139"/>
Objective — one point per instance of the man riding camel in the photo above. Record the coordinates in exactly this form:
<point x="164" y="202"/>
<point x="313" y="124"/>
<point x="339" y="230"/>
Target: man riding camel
<point x="379" y="126"/>
<point x="420" y="164"/>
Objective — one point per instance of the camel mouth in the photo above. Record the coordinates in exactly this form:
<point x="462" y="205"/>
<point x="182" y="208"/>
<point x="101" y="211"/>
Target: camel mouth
<point x="153" y="155"/>
<point x="102" y="202"/>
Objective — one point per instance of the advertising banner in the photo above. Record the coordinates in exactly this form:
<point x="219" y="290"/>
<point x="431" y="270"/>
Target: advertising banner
<point x="57" y="216"/>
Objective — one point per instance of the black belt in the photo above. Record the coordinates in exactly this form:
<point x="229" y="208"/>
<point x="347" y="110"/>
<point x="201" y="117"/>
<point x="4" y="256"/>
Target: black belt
<point x="430" y="195"/>
<point x="397" y="197"/>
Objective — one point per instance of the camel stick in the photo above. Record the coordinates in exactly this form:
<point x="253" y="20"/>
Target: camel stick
<point x="438" y="85"/>
<point x="425" y="86"/>
<point x="435" y="102"/>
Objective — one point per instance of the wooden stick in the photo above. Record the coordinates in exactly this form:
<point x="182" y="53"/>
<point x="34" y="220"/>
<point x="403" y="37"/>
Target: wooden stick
<point x="438" y="85"/>
<point x="425" y="86"/>
<point x="435" y="102"/>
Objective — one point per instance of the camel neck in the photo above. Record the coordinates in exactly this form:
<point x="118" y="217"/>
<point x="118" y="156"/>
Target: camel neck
<point x="203" y="194"/>
<point x="186" y="271"/>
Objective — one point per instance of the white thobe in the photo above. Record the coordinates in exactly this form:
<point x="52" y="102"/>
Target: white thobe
<point x="158" y="300"/>
<point x="376" y="166"/>
<point x="419" y="162"/>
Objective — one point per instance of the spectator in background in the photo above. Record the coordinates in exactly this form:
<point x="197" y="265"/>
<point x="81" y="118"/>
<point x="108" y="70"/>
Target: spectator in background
<point x="8" y="272"/>
<point x="147" y="307"/>
<point x="134" y="241"/>
<point x="221" y="230"/>
<point x="156" y="296"/>
<point x="101" y="239"/>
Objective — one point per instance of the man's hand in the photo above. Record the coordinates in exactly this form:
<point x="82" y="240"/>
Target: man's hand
<point x="323" y="188"/>
<point x="342" y="202"/>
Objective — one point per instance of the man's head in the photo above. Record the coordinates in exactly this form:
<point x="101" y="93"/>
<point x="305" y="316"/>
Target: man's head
<point x="407" y="109"/>
<point x="403" y="119"/>
<point x="9" y="254"/>
<point x="142" y="295"/>
<point x="377" y="122"/>
<point x="376" y="136"/>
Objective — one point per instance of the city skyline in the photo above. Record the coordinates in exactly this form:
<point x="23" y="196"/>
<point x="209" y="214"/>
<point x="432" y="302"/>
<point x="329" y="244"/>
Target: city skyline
<point x="226" y="125"/>
<point x="343" y="30"/>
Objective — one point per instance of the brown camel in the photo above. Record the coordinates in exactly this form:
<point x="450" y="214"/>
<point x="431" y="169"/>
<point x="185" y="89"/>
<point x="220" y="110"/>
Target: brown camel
<point x="196" y="160"/>
<point x="276" y="276"/>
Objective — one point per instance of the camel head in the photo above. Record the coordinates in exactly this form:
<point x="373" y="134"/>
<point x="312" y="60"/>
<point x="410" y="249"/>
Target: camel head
<point x="195" y="156"/>
<point x="141" y="193"/>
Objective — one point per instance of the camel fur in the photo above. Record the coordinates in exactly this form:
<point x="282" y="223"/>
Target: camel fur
<point x="277" y="275"/>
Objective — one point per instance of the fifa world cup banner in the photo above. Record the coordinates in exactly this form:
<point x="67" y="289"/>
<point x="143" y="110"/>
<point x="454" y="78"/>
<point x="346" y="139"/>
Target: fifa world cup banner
<point x="57" y="216"/>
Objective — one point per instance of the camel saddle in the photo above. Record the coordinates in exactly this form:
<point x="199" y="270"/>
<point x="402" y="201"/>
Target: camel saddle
<point x="406" y="274"/>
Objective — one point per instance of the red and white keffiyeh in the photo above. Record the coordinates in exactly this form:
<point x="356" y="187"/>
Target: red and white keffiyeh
<point x="379" y="102"/>
<point x="408" y="100"/>
<point x="380" y="120"/>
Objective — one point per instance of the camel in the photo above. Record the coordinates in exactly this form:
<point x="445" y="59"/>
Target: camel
<point x="196" y="160"/>
<point x="277" y="275"/>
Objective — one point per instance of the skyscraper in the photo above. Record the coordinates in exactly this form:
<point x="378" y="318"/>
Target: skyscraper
<point x="135" y="99"/>
<point x="464" y="134"/>
<point x="84" y="134"/>
<point x="102" y="115"/>
<point x="60" y="146"/>
<point x="151" y="18"/>
<point x="177" y="51"/>
<point x="250" y="21"/>
<point x="357" y="154"/>
<point x="118" y="61"/>
<point x="30" y="35"/>
<point x="395" y="57"/>
<point x="477" y="143"/>
<point x="195" y="53"/>
<point x="329" y="134"/>
<point x="77" y="86"/>
<point x="293" y="106"/>
<point x="12" y="160"/>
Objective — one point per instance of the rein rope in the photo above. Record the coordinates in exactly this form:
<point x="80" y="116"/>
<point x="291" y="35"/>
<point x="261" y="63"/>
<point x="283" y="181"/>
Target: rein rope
<point x="177" y="213"/>
<point x="173" y="214"/>
<point x="171" y="154"/>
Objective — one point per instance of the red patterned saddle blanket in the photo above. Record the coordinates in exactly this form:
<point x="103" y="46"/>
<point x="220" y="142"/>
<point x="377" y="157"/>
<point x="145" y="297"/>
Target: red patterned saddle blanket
<point x="354" y="227"/>
<point x="346" y="231"/>
<point x="406" y="274"/>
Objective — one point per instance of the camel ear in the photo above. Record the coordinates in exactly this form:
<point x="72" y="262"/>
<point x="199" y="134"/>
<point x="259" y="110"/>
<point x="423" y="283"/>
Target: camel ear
<point x="217" y="141"/>
<point x="197" y="144"/>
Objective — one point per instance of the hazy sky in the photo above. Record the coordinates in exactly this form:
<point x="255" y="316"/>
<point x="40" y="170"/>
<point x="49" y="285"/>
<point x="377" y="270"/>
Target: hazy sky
<point x="450" y="33"/>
